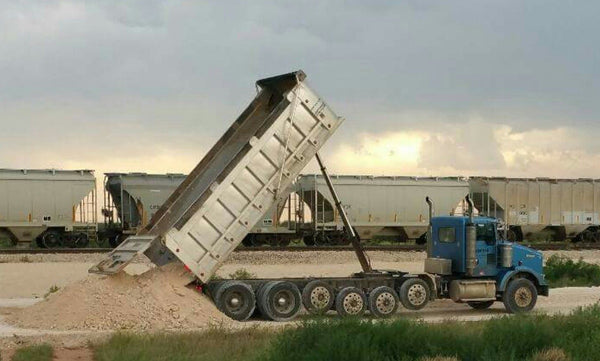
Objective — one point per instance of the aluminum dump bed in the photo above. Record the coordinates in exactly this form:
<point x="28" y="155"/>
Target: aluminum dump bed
<point x="239" y="179"/>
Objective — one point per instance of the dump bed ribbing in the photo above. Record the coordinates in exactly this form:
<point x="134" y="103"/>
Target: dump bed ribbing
<point x="240" y="178"/>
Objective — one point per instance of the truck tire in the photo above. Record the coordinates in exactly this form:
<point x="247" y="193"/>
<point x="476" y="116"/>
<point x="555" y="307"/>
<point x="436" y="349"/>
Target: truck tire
<point x="520" y="296"/>
<point x="480" y="305"/>
<point x="351" y="301"/>
<point x="414" y="294"/>
<point x="236" y="300"/>
<point x="383" y="302"/>
<point x="318" y="297"/>
<point x="279" y="300"/>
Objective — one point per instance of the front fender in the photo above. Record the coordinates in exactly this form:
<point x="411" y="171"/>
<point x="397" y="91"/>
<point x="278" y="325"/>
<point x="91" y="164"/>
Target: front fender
<point x="541" y="282"/>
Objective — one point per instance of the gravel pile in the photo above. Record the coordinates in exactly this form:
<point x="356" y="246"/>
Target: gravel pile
<point x="155" y="300"/>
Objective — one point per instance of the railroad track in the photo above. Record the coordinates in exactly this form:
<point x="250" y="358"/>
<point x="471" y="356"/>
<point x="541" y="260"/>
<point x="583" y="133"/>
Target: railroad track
<point x="396" y="248"/>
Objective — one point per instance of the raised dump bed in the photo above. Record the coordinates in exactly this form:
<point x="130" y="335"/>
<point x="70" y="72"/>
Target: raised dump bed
<point x="245" y="173"/>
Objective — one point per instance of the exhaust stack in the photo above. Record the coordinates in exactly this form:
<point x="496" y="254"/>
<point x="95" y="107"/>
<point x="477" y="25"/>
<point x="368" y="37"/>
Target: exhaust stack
<point x="430" y="227"/>
<point x="470" y="240"/>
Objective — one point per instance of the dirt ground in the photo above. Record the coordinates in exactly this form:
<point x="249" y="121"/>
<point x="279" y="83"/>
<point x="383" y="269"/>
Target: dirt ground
<point x="25" y="281"/>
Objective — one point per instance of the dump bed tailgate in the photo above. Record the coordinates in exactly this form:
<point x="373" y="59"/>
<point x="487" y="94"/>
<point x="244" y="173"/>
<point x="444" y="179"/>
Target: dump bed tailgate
<point x="249" y="169"/>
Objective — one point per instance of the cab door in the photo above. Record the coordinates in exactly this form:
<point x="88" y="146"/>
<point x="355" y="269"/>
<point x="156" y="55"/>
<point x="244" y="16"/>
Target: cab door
<point x="486" y="250"/>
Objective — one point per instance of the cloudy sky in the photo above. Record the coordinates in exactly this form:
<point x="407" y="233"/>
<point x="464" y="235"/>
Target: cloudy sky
<point x="427" y="87"/>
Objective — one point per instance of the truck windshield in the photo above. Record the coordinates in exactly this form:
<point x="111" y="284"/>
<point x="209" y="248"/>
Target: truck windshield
<point x="486" y="232"/>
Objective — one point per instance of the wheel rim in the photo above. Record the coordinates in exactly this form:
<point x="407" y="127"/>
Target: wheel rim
<point x="523" y="297"/>
<point x="320" y="297"/>
<point x="353" y="303"/>
<point x="385" y="303"/>
<point x="235" y="302"/>
<point x="283" y="302"/>
<point x="417" y="294"/>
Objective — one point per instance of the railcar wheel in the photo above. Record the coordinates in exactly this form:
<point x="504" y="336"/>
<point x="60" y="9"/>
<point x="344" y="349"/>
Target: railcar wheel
<point x="520" y="296"/>
<point x="383" y="302"/>
<point x="81" y="240"/>
<point x="236" y="300"/>
<point x="351" y="301"/>
<point x="309" y="240"/>
<point x="414" y="293"/>
<point x="52" y="239"/>
<point x="481" y="305"/>
<point x="317" y="297"/>
<point x="280" y="300"/>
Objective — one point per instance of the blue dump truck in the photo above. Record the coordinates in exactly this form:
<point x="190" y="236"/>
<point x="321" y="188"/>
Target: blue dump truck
<point x="467" y="261"/>
<point x="253" y="166"/>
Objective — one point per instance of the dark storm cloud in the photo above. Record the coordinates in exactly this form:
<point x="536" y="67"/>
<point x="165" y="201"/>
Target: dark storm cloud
<point x="116" y="74"/>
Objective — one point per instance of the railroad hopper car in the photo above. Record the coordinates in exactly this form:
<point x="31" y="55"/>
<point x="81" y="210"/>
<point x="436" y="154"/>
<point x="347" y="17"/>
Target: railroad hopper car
<point x="131" y="199"/>
<point x="567" y="207"/>
<point x="378" y="207"/>
<point x="55" y="208"/>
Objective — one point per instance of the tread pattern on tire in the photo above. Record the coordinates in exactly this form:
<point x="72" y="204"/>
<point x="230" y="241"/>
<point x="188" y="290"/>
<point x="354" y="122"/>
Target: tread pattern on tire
<point x="268" y="290"/>
<point x="246" y="290"/>
<point x="508" y="298"/>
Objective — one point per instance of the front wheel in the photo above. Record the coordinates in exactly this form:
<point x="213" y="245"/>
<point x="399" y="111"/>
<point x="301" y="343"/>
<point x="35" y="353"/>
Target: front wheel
<point x="520" y="296"/>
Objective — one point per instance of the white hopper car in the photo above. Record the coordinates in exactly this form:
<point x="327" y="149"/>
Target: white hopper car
<point x="55" y="208"/>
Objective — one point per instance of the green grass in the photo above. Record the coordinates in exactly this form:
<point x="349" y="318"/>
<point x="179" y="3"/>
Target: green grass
<point x="242" y="274"/>
<point x="524" y="337"/>
<point x="506" y="338"/>
<point x="214" y="345"/>
<point x="561" y="271"/>
<point x="42" y="352"/>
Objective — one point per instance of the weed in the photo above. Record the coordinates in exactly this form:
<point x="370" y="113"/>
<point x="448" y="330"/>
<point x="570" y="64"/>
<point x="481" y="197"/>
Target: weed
<point x="42" y="352"/>
<point x="51" y="290"/>
<point x="507" y="338"/>
<point x="561" y="271"/>
<point x="551" y="354"/>
<point x="25" y="259"/>
<point x="242" y="274"/>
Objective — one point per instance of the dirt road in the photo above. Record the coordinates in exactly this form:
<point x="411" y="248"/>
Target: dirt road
<point x="24" y="283"/>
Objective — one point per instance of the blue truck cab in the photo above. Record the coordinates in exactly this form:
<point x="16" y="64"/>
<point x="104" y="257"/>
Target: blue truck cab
<point x="472" y="263"/>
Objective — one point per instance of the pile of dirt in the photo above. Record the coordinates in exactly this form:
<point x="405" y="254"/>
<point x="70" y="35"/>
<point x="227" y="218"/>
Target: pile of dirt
<point x="157" y="299"/>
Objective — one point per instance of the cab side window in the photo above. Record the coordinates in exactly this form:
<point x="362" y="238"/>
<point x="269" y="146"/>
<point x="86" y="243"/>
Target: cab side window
<point x="447" y="234"/>
<point x="486" y="232"/>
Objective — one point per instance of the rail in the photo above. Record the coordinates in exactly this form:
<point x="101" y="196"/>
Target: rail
<point x="395" y="248"/>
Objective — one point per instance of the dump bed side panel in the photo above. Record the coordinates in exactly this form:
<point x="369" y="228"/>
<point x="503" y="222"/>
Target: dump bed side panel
<point x="217" y="219"/>
<point x="247" y="171"/>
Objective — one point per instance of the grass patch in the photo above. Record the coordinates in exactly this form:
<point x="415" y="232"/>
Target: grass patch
<point x="215" y="344"/>
<point x="51" y="290"/>
<point x="561" y="271"/>
<point x="42" y="352"/>
<point x="524" y="337"/>
<point x="242" y="274"/>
